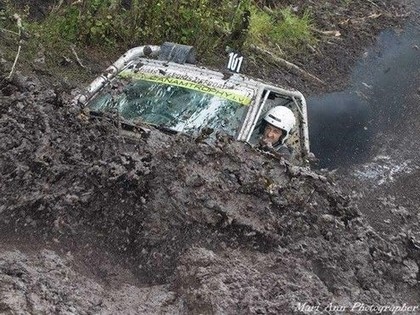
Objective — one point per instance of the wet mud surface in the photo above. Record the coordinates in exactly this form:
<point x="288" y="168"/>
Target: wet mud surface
<point x="95" y="220"/>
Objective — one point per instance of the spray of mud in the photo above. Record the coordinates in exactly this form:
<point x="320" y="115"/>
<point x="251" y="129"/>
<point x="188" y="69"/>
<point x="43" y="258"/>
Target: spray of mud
<point x="185" y="227"/>
<point x="96" y="221"/>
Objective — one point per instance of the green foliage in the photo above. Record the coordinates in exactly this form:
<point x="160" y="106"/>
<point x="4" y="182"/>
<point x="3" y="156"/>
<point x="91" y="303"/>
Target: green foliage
<point x="293" y="28"/>
<point x="205" y="24"/>
<point x="7" y="20"/>
<point x="280" y="28"/>
<point x="208" y="25"/>
<point x="261" y="24"/>
<point x="12" y="29"/>
<point x="107" y="22"/>
<point x="88" y="23"/>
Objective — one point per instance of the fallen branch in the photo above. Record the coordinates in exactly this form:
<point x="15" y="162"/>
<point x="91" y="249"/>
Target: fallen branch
<point x="373" y="3"/>
<point x="57" y="7"/>
<point x="374" y="15"/>
<point x="9" y="31"/>
<point x="288" y="65"/>
<point x="20" y="27"/>
<point x="327" y="33"/>
<point x="79" y="62"/>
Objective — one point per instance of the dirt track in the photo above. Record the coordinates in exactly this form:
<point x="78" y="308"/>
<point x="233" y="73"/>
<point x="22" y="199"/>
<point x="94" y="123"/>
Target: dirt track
<point x="93" y="222"/>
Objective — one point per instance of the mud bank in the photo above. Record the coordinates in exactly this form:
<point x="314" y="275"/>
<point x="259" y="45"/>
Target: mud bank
<point x="94" y="221"/>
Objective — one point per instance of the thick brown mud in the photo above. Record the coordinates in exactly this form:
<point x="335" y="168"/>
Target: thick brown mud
<point x="95" y="220"/>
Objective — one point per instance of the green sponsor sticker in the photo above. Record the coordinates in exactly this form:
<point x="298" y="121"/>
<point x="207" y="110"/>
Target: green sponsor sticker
<point x="231" y="95"/>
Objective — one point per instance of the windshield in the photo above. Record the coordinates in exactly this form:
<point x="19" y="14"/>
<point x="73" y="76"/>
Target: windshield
<point x="176" y="104"/>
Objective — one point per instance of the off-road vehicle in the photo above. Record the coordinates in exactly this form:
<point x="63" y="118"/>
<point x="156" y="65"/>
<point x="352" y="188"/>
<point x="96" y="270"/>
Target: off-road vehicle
<point x="162" y="86"/>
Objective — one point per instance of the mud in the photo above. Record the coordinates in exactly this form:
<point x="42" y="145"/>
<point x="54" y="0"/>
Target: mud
<point x="95" y="220"/>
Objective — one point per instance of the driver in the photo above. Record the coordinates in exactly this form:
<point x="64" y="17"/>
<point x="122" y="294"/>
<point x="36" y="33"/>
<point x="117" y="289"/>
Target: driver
<point x="277" y="124"/>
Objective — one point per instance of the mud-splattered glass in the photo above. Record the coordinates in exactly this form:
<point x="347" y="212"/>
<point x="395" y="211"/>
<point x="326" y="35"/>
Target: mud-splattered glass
<point x="175" y="107"/>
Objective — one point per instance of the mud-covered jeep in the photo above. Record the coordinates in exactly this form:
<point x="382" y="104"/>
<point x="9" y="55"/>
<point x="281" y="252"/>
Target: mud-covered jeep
<point x="161" y="86"/>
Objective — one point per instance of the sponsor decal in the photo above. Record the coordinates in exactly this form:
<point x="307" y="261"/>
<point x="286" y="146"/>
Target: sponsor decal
<point x="229" y="94"/>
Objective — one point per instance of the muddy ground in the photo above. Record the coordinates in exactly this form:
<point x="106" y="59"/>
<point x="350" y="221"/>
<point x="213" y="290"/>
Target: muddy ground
<point x="95" y="222"/>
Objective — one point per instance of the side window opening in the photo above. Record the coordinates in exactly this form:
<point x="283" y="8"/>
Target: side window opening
<point x="296" y="140"/>
<point x="272" y="100"/>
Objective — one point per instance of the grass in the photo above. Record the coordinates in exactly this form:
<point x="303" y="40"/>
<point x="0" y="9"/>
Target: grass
<point x="108" y="26"/>
<point x="281" y="29"/>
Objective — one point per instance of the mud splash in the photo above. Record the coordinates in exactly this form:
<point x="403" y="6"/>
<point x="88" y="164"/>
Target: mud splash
<point x="159" y="223"/>
<point x="93" y="221"/>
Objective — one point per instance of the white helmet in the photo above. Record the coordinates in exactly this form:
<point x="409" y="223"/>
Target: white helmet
<point x="283" y="118"/>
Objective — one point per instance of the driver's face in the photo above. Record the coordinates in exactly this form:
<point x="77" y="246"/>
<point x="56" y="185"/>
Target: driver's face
<point x="271" y="134"/>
